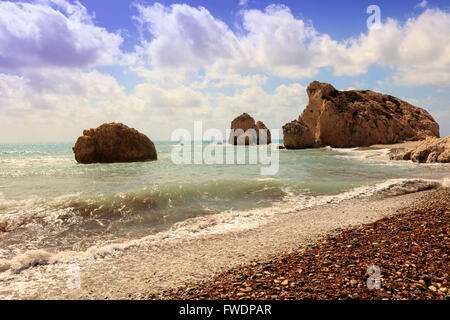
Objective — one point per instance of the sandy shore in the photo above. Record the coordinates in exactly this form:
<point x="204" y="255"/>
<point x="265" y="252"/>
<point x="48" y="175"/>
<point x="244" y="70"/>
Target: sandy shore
<point x="141" y="269"/>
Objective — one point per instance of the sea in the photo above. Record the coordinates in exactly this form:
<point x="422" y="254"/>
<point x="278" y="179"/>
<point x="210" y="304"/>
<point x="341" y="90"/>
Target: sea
<point x="50" y="202"/>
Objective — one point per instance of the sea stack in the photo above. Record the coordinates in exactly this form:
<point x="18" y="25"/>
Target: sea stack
<point x="356" y="118"/>
<point x="113" y="142"/>
<point x="246" y="132"/>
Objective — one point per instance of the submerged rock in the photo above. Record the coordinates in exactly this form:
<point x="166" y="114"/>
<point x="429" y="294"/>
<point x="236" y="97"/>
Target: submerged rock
<point x="113" y="142"/>
<point x="357" y="118"/>
<point x="429" y="150"/>
<point x="246" y="132"/>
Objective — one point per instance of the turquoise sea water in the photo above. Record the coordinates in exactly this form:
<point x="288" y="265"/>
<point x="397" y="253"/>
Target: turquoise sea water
<point x="49" y="201"/>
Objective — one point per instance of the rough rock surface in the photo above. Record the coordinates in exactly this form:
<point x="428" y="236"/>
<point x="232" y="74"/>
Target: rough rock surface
<point x="113" y="142"/>
<point x="247" y="132"/>
<point x="429" y="150"/>
<point x="297" y="135"/>
<point x="358" y="118"/>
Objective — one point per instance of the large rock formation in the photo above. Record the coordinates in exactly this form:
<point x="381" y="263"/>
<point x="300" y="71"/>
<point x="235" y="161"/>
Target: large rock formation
<point x="357" y="118"/>
<point x="246" y="132"/>
<point x="429" y="150"/>
<point x="113" y="142"/>
<point x="297" y="135"/>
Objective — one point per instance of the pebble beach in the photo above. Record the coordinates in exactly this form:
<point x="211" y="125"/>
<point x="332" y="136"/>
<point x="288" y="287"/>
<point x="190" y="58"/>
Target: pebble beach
<point x="411" y="248"/>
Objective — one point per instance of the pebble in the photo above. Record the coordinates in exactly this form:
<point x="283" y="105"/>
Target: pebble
<point x="401" y="239"/>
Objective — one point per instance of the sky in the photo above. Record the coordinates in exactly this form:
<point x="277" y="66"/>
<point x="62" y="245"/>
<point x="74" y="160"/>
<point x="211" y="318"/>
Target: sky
<point x="68" y="65"/>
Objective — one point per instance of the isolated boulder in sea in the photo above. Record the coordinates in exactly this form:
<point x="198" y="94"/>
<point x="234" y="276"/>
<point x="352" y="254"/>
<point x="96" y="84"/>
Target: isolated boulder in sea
<point x="113" y="142"/>
<point x="297" y="135"/>
<point x="246" y="132"/>
<point x="429" y="150"/>
<point x="361" y="117"/>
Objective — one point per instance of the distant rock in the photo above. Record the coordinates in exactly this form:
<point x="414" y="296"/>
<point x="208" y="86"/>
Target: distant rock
<point x="113" y="142"/>
<point x="247" y="132"/>
<point x="429" y="150"/>
<point x="356" y="118"/>
<point x="263" y="133"/>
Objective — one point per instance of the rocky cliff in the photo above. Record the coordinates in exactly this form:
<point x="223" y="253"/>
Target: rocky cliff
<point x="356" y="118"/>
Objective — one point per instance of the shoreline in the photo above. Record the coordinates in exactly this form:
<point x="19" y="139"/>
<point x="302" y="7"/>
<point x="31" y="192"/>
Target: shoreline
<point x="140" y="271"/>
<point x="379" y="151"/>
<point x="406" y="144"/>
<point x="409" y="251"/>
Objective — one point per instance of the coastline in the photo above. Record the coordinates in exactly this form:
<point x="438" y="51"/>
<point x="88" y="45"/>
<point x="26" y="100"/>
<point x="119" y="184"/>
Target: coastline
<point x="379" y="151"/>
<point x="409" y="249"/>
<point x="406" y="144"/>
<point x="145" y="269"/>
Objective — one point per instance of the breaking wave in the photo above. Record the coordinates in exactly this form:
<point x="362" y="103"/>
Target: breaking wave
<point x="63" y="234"/>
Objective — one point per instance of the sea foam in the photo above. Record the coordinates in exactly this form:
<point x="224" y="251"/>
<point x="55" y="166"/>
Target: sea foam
<point x="227" y="221"/>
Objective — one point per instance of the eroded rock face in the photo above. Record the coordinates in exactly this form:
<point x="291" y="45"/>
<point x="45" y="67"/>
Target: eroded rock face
<point x="247" y="132"/>
<point x="430" y="150"/>
<point x="297" y="135"/>
<point x="358" y="118"/>
<point x="264" y="136"/>
<point x="113" y="142"/>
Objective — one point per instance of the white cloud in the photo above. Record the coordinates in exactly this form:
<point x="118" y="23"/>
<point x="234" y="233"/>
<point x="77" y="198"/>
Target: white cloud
<point x="421" y="4"/>
<point x="242" y="3"/>
<point x="57" y="105"/>
<point x="184" y="51"/>
<point x="184" y="36"/>
<point x="53" y="33"/>
<point x="215" y="79"/>
<point x="184" y="39"/>
<point x="442" y="116"/>
<point x="276" y="109"/>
